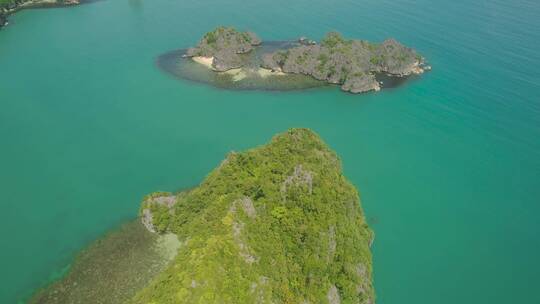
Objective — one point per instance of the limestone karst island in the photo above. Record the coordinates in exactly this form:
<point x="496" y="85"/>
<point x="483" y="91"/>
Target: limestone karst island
<point x="355" y="65"/>
<point x="275" y="224"/>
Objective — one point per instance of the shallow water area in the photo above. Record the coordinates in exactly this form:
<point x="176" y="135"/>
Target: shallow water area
<point x="250" y="77"/>
<point x="113" y="268"/>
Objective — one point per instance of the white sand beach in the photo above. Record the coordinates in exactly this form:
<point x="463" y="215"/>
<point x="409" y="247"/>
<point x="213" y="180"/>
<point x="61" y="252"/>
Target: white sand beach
<point x="206" y="61"/>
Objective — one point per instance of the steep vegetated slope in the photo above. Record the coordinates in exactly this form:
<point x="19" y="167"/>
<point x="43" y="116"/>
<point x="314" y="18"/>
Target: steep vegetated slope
<point x="275" y="224"/>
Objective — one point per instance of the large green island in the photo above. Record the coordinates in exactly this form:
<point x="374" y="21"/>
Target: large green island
<point x="275" y="224"/>
<point x="355" y="65"/>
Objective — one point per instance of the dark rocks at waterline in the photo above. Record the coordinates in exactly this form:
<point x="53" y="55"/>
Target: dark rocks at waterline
<point x="3" y="20"/>
<point x="226" y="60"/>
<point x="361" y="83"/>
<point x="305" y="41"/>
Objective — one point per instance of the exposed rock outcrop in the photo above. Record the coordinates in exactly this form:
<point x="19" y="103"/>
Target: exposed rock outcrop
<point x="243" y="249"/>
<point x="331" y="242"/>
<point x="299" y="177"/>
<point x="156" y="209"/>
<point x="358" y="83"/>
<point x="305" y="41"/>
<point x="333" y="295"/>
<point x="246" y="204"/>
<point x="226" y="60"/>
<point x="365" y="285"/>
<point x="3" y="20"/>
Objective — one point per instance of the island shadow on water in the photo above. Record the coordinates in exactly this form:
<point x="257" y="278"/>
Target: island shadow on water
<point x="251" y="76"/>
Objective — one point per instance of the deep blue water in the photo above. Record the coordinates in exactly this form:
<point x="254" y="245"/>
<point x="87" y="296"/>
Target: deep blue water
<point x="448" y="166"/>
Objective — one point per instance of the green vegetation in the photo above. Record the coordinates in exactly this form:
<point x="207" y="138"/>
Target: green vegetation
<point x="276" y="224"/>
<point x="221" y="31"/>
<point x="332" y="39"/>
<point x="376" y="60"/>
<point x="210" y="37"/>
<point x="246" y="37"/>
<point x="4" y="2"/>
<point x="224" y="39"/>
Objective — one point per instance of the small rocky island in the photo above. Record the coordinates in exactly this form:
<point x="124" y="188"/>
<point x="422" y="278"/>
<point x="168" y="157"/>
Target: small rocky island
<point x="356" y="65"/>
<point x="278" y="223"/>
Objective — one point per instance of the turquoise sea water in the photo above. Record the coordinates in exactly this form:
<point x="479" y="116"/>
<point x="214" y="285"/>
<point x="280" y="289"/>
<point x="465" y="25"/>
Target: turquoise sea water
<point x="448" y="166"/>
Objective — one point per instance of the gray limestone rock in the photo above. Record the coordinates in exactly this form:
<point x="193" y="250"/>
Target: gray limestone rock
<point x="351" y="63"/>
<point x="359" y="83"/>
<point x="225" y="44"/>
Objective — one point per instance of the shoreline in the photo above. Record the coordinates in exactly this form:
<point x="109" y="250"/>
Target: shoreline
<point x="206" y="61"/>
<point x="259" y="78"/>
<point x="382" y="79"/>
<point x="238" y="73"/>
<point x="12" y="8"/>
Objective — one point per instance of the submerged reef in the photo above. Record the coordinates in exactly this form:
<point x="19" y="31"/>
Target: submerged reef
<point x="113" y="268"/>
<point x="356" y="65"/>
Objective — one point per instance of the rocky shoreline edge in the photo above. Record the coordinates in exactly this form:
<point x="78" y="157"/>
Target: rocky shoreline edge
<point x="251" y="77"/>
<point x="17" y="5"/>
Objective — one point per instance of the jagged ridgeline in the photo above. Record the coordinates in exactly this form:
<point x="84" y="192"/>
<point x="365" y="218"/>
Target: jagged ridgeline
<point x="228" y="58"/>
<point x="275" y="224"/>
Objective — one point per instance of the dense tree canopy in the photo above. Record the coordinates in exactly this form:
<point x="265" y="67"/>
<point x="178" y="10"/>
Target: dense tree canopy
<point x="275" y="224"/>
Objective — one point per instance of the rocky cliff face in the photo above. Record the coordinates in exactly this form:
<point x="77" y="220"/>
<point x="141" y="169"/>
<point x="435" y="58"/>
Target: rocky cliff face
<point x="225" y="45"/>
<point x="350" y="63"/>
<point x="276" y="224"/>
